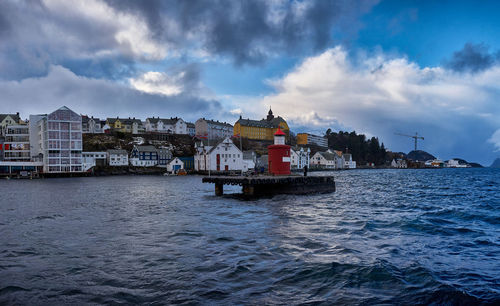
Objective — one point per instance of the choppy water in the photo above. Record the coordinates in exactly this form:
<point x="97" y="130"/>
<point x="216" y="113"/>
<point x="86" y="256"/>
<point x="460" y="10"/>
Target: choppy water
<point x="388" y="236"/>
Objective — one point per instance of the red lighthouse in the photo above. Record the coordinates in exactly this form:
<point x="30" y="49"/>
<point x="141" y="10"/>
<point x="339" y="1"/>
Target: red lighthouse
<point x="279" y="155"/>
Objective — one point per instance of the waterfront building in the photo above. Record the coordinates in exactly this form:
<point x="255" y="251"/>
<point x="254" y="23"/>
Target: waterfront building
<point x="310" y="139"/>
<point x="56" y="138"/>
<point x="175" y="165"/>
<point x="92" y="159"/>
<point x="455" y="163"/>
<point x="434" y="163"/>
<point x="260" y="129"/>
<point x="348" y="162"/>
<point x="144" y="156"/>
<point x="8" y="119"/>
<point x="328" y="160"/>
<point x="91" y="125"/>
<point x="117" y="158"/>
<point x="171" y="126"/>
<point x="399" y="163"/>
<point x="300" y="158"/>
<point x="16" y="144"/>
<point x="188" y="162"/>
<point x="164" y="157"/>
<point x="212" y="129"/>
<point x="224" y="156"/>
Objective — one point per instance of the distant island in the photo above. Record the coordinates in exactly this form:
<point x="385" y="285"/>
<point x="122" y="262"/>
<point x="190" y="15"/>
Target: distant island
<point x="496" y="163"/>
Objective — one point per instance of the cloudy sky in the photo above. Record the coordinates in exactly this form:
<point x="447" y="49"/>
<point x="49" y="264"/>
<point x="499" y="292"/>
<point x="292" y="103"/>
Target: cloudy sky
<point x="376" y="67"/>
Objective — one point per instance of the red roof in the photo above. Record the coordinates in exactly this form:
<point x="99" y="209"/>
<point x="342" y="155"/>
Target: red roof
<point x="279" y="132"/>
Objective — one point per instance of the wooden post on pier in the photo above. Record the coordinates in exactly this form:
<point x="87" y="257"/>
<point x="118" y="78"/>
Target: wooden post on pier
<point x="248" y="190"/>
<point x="219" y="189"/>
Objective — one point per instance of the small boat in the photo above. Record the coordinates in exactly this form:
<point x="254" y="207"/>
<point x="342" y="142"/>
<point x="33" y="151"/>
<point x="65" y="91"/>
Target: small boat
<point x="181" y="172"/>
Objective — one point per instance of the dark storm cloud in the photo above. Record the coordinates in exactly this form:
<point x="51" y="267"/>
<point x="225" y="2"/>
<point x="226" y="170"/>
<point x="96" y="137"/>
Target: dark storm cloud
<point x="35" y="34"/>
<point x="246" y="30"/>
<point x="472" y="58"/>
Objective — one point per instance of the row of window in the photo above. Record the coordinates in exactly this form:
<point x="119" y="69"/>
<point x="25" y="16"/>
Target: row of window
<point x="65" y="168"/>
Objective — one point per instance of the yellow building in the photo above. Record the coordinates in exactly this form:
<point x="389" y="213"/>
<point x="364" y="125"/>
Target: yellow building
<point x="260" y="129"/>
<point x="310" y="139"/>
<point x="130" y="125"/>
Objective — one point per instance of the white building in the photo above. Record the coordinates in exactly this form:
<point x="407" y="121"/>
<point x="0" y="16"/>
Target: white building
<point x="91" y="125"/>
<point x="213" y="129"/>
<point x="8" y="119"/>
<point x="92" y="159"/>
<point x="224" y="156"/>
<point x="399" y="163"/>
<point x="348" y="162"/>
<point x="117" y="158"/>
<point x="57" y="138"/>
<point x="300" y="158"/>
<point x="172" y="125"/>
<point x="455" y="163"/>
<point x="175" y="165"/>
<point x="17" y="143"/>
<point x="326" y="159"/>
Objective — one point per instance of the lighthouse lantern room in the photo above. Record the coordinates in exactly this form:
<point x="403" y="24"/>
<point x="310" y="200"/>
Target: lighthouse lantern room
<point x="279" y="155"/>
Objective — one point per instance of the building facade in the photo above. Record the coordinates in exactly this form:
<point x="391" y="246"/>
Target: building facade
<point x="16" y="144"/>
<point x="117" y="158"/>
<point x="191" y="128"/>
<point x="224" y="156"/>
<point x="8" y="119"/>
<point x="212" y="129"/>
<point x="300" y="158"/>
<point x="92" y="159"/>
<point x="91" y="125"/>
<point x="328" y="160"/>
<point x="144" y="156"/>
<point x="57" y="139"/>
<point x="126" y="125"/>
<point x="171" y="126"/>
<point x="260" y="129"/>
<point x="164" y="157"/>
<point x="310" y="139"/>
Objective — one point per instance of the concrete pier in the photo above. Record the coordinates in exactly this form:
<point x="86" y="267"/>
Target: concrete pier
<point x="270" y="185"/>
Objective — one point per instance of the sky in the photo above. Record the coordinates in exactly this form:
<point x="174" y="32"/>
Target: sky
<point x="374" y="67"/>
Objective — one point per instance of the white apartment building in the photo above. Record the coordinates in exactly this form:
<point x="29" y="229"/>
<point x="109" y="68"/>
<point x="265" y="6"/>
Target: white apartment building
<point x="117" y="158"/>
<point x="213" y="129"/>
<point x="57" y="138"/>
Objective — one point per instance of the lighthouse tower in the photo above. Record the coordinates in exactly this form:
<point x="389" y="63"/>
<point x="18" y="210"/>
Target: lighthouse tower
<point x="279" y="155"/>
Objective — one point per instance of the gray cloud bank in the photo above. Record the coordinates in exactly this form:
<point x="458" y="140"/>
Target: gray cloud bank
<point x="96" y="97"/>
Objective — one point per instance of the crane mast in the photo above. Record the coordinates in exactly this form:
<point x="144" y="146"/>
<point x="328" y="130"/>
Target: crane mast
<point x="416" y="137"/>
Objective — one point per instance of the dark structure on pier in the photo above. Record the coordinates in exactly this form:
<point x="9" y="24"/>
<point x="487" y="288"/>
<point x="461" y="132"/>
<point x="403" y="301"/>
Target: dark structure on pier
<point x="270" y="185"/>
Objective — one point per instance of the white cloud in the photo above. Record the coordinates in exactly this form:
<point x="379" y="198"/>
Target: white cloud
<point x="380" y="95"/>
<point x="158" y="83"/>
<point x="495" y="139"/>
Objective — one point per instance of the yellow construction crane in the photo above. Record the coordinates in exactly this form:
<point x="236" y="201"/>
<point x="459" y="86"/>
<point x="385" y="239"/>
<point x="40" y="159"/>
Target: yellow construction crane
<point x="416" y="137"/>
